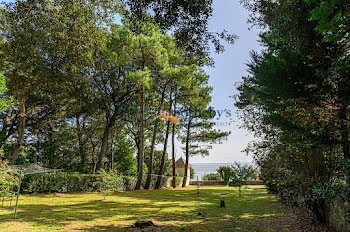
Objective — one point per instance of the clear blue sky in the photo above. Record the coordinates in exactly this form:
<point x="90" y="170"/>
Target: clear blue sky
<point x="229" y="69"/>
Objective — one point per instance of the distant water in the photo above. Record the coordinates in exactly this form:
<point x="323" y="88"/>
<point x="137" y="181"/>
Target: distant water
<point x="200" y="169"/>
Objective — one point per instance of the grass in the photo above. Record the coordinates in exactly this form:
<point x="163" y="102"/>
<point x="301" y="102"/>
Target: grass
<point x="172" y="209"/>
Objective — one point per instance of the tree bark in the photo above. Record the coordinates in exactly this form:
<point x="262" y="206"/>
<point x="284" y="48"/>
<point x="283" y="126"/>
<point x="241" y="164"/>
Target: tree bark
<point x="20" y="137"/>
<point x="93" y="157"/>
<point x="173" y="150"/>
<point x="81" y="145"/>
<point x="161" y="168"/>
<point x="141" y="145"/>
<point x="173" y="156"/>
<point x="187" y="151"/>
<point x="104" y="145"/>
<point x="344" y="131"/>
<point x="154" y="135"/>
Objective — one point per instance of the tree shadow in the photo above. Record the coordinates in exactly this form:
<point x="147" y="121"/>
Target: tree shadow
<point x="171" y="209"/>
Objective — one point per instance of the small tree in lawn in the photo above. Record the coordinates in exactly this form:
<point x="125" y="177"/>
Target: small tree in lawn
<point x="240" y="174"/>
<point x="225" y="172"/>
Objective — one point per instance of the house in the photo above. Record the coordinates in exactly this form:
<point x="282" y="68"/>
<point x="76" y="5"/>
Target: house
<point x="180" y="169"/>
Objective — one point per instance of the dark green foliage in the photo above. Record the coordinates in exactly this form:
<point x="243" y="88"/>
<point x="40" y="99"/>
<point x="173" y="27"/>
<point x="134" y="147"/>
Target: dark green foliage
<point x="163" y="181"/>
<point x="65" y="182"/>
<point x="240" y="174"/>
<point x="296" y="100"/>
<point x="124" y="160"/>
<point x="188" y="19"/>
<point x="129" y="183"/>
<point x="192" y="173"/>
<point x="225" y="172"/>
<point x="61" y="182"/>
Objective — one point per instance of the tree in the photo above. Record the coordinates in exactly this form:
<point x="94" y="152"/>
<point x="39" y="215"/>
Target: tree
<point x="149" y="53"/>
<point x="180" y="76"/>
<point x="4" y="101"/>
<point x="295" y="97"/>
<point x="240" y="174"/>
<point x="189" y="22"/>
<point x="125" y="162"/>
<point x="46" y="41"/>
<point x="225" y="172"/>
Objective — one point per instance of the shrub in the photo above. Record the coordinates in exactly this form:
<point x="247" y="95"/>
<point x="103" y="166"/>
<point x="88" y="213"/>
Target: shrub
<point x="61" y="182"/>
<point x="68" y="182"/>
<point x="179" y="181"/>
<point x="212" y="176"/>
<point x="129" y="183"/>
<point x="225" y="172"/>
<point x="8" y="181"/>
<point x="111" y="180"/>
<point x="163" y="182"/>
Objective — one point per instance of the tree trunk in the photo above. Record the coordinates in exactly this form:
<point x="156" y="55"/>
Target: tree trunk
<point x="20" y="138"/>
<point x="187" y="151"/>
<point x="104" y="145"/>
<point x="154" y="135"/>
<point x="141" y="145"/>
<point x="173" y="150"/>
<point x="161" y="168"/>
<point x="344" y="131"/>
<point x="81" y="145"/>
<point x="173" y="156"/>
<point x="93" y="157"/>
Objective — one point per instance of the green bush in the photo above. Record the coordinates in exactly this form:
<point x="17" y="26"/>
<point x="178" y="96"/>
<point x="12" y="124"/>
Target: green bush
<point x="129" y="183"/>
<point x="61" y="182"/>
<point x="212" y="176"/>
<point x="179" y="181"/>
<point x="154" y="180"/>
<point x="66" y="182"/>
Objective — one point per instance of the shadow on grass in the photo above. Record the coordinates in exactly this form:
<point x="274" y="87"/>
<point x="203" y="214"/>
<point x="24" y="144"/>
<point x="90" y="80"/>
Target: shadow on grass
<point x="174" y="210"/>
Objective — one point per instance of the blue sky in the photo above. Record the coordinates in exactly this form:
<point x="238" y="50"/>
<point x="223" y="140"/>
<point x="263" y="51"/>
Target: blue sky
<point x="229" y="69"/>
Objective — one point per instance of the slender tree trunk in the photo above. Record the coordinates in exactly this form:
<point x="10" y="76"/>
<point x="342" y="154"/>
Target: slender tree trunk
<point x="104" y="145"/>
<point x="161" y="168"/>
<point x="187" y="151"/>
<point x="112" y="156"/>
<point x="173" y="149"/>
<point x="20" y="137"/>
<point x="81" y="145"/>
<point x="93" y="157"/>
<point x="344" y="131"/>
<point x="154" y="135"/>
<point x="173" y="156"/>
<point x="141" y="145"/>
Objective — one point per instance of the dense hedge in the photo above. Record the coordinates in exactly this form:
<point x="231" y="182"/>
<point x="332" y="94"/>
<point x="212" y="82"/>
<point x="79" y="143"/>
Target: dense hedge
<point x="65" y="182"/>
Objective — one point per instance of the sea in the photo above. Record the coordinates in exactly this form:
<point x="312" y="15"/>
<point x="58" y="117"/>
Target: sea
<point x="200" y="169"/>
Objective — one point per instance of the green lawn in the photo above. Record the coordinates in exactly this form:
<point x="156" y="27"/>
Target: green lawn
<point x="173" y="210"/>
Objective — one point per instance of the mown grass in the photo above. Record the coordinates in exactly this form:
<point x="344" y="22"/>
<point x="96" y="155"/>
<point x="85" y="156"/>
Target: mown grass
<point x="173" y="209"/>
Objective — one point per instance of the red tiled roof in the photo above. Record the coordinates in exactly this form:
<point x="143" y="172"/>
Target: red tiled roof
<point x="180" y="163"/>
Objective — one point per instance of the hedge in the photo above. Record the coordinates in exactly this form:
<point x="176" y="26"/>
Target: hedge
<point x="67" y="182"/>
